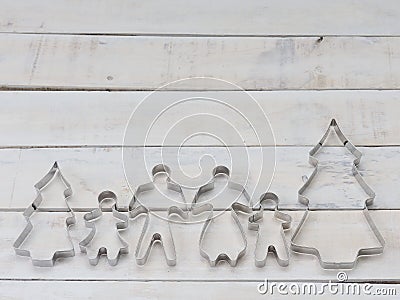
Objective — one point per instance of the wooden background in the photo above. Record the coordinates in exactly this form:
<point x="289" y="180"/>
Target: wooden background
<point x="73" y="71"/>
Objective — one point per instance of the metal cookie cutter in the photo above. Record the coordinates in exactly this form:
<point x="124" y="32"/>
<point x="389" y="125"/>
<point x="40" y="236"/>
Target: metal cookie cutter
<point x="89" y="222"/>
<point x="155" y="229"/>
<point x="39" y="186"/>
<point x="266" y="241"/>
<point x="235" y="208"/>
<point x="304" y="200"/>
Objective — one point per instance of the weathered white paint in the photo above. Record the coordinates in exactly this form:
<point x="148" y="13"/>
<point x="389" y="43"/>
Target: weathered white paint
<point x="190" y="265"/>
<point x="92" y="170"/>
<point x="224" y="17"/>
<point x="258" y="58"/>
<point x="109" y="62"/>
<point x="163" y="290"/>
<point x="99" y="118"/>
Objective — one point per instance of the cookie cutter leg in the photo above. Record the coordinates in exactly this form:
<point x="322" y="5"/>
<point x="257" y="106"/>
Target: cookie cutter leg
<point x="30" y="210"/>
<point x="162" y="236"/>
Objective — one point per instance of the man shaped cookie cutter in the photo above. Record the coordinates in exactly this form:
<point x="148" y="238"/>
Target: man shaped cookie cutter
<point x="155" y="229"/>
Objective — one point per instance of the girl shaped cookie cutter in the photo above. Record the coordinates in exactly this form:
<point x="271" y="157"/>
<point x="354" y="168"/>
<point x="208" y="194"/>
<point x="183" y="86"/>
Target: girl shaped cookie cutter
<point x="94" y="215"/>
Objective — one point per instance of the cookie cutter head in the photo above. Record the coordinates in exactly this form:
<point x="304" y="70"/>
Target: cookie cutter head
<point x="261" y="258"/>
<point x="221" y="171"/>
<point x="369" y="201"/>
<point x="235" y="208"/>
<point x="161" y="235"/>
<point x="90" y="217"/>
<point x="34" y="207"/>
<point x="158" y="170"/>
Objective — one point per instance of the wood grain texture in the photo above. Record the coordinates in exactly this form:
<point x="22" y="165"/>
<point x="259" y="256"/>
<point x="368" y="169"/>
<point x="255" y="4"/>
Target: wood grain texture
<point x="156" y="290"/>
<point x="176" y="17"/>
<point x="147" y="63"/>
<point x="324" y="52"/>
<point x="301" y="268"/>
<point x="92" y="170"/>
<point x="128" y="290"/>
<point x="297" y="118"/>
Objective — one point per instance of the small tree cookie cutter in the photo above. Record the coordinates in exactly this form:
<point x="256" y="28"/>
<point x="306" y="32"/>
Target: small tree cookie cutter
<point x="304" y="200"/>
<point x="95" y="214"/>
<point x="31" y="209"/>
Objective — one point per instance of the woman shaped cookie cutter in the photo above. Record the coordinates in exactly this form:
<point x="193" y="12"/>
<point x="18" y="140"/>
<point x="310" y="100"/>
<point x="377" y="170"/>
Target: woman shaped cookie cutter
<point x="235" y="208"/>
<point x="91" y="217"/>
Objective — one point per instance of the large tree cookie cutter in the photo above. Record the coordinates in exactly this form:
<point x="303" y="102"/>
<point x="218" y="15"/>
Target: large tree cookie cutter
<point x="95" y="214"/>
<point x="163" y="233"/>
<point x="235" y="208"/>
<point x="31" y="209"/>
<point x="304" y="200"/>
<point x="267" y="244"/>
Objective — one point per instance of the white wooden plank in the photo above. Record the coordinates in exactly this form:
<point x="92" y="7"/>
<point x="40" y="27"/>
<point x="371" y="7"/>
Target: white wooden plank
<point x="165" y="290"/>
<point x="190" y="265"/>
<point x="126" y="290"/>
<point x="286" y="17"/>
<point x="8" y="172"/>
<point x="100" y="118"/>
<point x="105" y="62"/>
<point x="91" y="171"/>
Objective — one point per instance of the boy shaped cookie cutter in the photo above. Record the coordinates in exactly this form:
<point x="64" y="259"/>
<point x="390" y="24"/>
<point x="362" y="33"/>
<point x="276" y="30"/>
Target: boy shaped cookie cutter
<point x="265" y="244"/>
